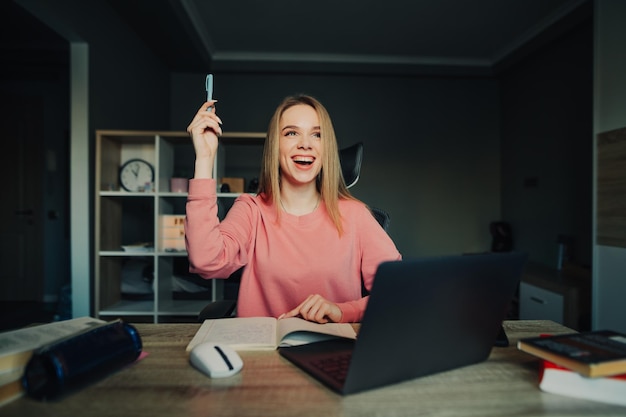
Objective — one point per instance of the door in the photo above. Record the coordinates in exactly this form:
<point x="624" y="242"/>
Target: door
<point x="21" y="224"/>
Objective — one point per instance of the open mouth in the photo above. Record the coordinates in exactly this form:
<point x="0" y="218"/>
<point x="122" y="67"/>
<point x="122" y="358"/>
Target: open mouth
<point x="303" y="160"/>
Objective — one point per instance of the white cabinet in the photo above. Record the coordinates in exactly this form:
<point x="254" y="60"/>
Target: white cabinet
<point x="563" y="296"/>
<point x="140" y="271"/>
<point x="537" y="303"/>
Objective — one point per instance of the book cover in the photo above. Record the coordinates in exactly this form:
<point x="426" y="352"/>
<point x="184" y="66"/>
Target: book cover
<point x="267" y="333"/>
<point x="556" y="379"/>
<point x="593" y="354"/>
<point x="10" y="391"/>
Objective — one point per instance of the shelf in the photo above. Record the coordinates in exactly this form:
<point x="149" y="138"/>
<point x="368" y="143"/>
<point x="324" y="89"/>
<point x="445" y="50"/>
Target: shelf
<point x="166" y="308"/>
<point x="129" y="307"/>
<point x="172" y="253"/>
<point x="122" y="253"/>
<point x="181" y="307"/>
<point x="127" y="194"/>
<point x="125" y="218"/>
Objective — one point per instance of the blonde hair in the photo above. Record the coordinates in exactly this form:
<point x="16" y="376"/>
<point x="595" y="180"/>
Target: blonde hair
<point x="330" y="181"/>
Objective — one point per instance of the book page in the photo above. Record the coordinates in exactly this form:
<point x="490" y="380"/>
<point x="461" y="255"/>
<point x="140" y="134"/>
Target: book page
<point x="11" y="375"/>
<point x="241" y="333"/>
<point x="295" y="331"/>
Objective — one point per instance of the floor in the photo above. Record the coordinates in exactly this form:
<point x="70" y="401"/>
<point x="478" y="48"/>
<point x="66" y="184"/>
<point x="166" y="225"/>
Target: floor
<point x="16" y="314"/>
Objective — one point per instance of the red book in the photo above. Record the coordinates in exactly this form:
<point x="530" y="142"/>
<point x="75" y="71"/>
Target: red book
<point x="556" y="379"/>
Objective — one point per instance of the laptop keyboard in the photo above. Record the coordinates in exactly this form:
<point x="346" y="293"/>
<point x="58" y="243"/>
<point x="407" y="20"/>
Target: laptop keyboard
<point x="336" y="367"/>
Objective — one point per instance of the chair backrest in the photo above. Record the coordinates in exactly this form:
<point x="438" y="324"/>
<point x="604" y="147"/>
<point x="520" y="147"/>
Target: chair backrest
<point x="350" y="159"/>
<point x="382" y="217"/>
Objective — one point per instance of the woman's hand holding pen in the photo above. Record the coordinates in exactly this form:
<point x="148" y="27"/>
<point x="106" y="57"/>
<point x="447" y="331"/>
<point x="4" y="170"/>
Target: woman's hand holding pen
<point x="316" y="308"/>
<point x="204" y="129"/>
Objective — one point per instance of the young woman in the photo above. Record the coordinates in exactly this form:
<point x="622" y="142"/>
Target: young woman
<point x="305" y="242"/>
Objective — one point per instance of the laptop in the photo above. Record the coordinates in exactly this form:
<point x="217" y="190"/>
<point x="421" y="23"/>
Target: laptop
<point x="424" y="316"/>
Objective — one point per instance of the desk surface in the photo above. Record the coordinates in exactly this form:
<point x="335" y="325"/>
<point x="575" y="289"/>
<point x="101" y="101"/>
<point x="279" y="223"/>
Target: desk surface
<point x="164" y="384"/>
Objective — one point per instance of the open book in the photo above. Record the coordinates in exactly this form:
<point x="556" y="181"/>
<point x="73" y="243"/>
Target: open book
<point x="266" y="333"/>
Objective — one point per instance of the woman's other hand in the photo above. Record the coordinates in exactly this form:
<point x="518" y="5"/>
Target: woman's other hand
<point x="316" y="308"/>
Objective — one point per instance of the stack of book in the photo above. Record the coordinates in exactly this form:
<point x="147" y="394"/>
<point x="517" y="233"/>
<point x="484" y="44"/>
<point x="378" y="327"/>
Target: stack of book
<point x="172" y="232"/>
<point x="589" y="365"/>
<point x="17" y="347"/>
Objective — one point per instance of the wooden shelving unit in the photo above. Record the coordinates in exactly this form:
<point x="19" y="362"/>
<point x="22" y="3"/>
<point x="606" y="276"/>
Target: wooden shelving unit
<point x="142" y="283"/>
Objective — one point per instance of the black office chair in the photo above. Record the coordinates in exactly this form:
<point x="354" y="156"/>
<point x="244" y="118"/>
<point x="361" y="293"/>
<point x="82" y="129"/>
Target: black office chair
<point x="351" y="159"/>
<point x="382" y="217"/>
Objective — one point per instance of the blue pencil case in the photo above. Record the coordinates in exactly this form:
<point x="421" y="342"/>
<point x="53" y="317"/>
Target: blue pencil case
<point x="72" y="363"/>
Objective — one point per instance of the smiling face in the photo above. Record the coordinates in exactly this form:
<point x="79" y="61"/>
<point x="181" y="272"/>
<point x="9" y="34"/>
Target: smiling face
<point x="300" y="145"/>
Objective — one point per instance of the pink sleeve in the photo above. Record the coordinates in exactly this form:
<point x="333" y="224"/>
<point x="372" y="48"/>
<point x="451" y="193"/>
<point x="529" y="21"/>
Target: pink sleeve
<point x="352" y="311"/>
<point x="376" y="247"/>
<point x="213" y="250"/>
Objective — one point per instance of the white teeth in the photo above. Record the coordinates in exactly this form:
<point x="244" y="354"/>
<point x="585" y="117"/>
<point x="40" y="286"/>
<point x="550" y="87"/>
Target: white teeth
<point x="303" y="159"/>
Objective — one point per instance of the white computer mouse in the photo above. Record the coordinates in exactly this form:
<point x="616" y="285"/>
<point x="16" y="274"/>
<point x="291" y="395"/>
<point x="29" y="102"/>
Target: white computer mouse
<point x="215" y="360"/>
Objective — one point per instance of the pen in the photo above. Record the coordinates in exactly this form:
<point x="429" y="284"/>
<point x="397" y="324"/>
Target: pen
<point x="209" y="88"/>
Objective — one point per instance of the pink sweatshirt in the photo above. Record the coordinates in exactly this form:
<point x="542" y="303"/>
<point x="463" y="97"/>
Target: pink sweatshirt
<point x="286" y="261"/>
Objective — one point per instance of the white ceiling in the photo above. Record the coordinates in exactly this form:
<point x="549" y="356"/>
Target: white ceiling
<point x="341" y="35"/>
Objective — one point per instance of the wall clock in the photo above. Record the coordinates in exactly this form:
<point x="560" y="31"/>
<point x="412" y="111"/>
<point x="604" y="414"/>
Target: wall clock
<point x="135" y="173"/>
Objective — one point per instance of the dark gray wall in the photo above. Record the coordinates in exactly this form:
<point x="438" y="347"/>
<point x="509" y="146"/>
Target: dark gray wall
<point x="431" y="145"/>
<point x="127" y="89"/>
<point x="128" y="85"/>
<point x="547" y="137"/>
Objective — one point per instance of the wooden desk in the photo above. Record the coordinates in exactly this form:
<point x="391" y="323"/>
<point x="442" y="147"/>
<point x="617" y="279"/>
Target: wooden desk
<point x="164" y="384"/>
